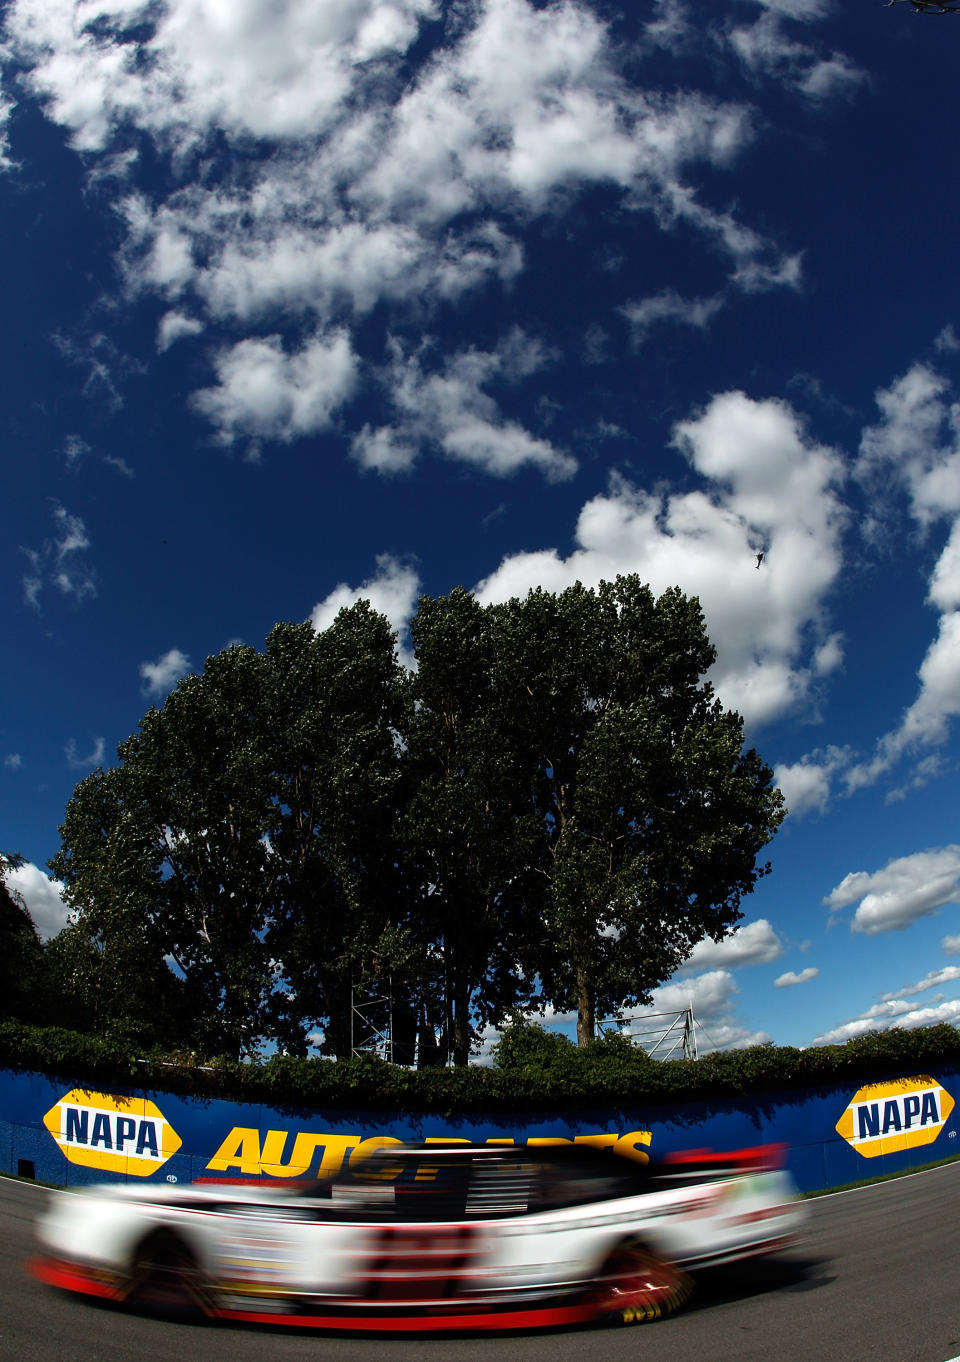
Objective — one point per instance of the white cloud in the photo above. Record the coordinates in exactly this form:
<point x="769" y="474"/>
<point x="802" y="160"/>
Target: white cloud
<point x="159" y="677"/>
<point x="791" y="979"/>
<point x="917" y="444"/>
<point x="386" y="449"/>
<point x="767" y="48"/>
<point x="7" y="107"/>
<point x="262" y="392"/>
<point x="894" y="1012"/>
<point x="904" y="890"/>
<point x="13" y="761"/>
<point x="756" y="943"/>
<point x="713" y="998"/>
<point x="387" y="180"/>
<point x="393" y="592"/>
<point x="174" y="326"/>
<point x="945" y="975"/>
<point x="709" y="994"/>
<point x="950" y="945"/>
<point x="893" y="1009"/>
<point x="669" y="306"/>
<point x="916" y="440"/>
<point x="249" y="68"/>
<point x="41" y="894"/>
<point x="832" y="76"/>
<point x="449" y="411"/>
<point x="61" y="562"/>
<point x="80" y="762"/>
<point x="763" y="483"/>
<point x="926" y="721"/>
<point x="807" y="784"/>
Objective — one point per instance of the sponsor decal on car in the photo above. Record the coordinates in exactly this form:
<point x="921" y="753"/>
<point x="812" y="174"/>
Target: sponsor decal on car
<point x="113" y="1134"/>
<point x="883" y="1118"/>
<point x="246" y="1151"/>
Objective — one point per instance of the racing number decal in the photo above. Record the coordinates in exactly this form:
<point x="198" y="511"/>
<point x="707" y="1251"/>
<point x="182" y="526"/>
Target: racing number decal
<point x="407" y="1264"/>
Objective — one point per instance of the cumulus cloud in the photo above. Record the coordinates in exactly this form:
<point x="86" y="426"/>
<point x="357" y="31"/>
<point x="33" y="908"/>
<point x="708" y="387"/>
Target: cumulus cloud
<point x="393" y="591"/>
<point x="905" y="889"/>
<point x="916" y="440"/>
<point x="42" y="896"/>
<point x="791" y="979"/>
<point x="807" y="784"/>
<point x="768" y="47"/>
<point x="263" y="392"/>
<point x="950" y="945"/>
<point x="926" y="721"/>
<point x="174" y="326"/>
<point x="945" y="975"/>
<point x="916" y="444"/>
<point x="450" y="412"/>
<point x="392" y="178"/>
<point x="250" y="68"/>
<point x="713" y="998"/>
<point x="755" y="943"/>
<point x="159" y="677"/>
<point x="893" y="1010"/>
<point x="762" y="483"/>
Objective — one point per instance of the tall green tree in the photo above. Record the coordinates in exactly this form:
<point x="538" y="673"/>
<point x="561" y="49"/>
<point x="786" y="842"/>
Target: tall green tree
<point x="553" y="807"/>
<point x="165" y="856"/>
<point x="21" y="954"/>
<point x="652" y="813"/>
<point x="470" y="830"/>
<point x="337" y="703"/>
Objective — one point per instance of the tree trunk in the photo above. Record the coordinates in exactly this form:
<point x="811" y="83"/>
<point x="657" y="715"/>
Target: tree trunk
<point x="461" y="1022"/>
<point x="586" y="1019"/>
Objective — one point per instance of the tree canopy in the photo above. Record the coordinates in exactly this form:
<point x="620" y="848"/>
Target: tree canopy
<point x="551" y="809"/>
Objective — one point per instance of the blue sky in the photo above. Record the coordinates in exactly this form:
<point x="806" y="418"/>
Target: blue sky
<point x="309" y="302"/>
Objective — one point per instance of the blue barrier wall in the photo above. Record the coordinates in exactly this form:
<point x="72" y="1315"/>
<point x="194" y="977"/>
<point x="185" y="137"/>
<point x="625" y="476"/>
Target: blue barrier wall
<point x="62" y="1133"/>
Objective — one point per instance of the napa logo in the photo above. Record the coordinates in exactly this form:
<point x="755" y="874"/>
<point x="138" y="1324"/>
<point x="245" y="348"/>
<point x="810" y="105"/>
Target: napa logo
<point x="114" y="1134"/>
<point x="883" y="1118"/>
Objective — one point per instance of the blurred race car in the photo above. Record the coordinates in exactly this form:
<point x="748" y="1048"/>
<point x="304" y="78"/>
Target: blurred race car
<point x="427" y="1237"/>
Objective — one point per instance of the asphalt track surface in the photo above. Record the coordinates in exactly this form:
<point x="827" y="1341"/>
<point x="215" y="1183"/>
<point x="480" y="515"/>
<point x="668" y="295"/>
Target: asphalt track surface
<point x="876" y="1276"/>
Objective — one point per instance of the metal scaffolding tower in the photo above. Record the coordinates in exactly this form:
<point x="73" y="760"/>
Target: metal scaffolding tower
<point x="664" y="1035"/>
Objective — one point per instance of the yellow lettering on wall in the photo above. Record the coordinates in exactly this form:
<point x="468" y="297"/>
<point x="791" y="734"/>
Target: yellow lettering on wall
<point x="240" y="1150"/>
<point x="388" y="1171"/>
<point x="597" y="1141"/>
<point x="335" y="1147"/>
<point x="629" y="1146"/>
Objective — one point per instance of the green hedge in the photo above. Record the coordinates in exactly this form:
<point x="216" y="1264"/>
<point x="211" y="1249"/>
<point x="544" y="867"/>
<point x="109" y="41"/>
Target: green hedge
<point x="533" y="1069"/>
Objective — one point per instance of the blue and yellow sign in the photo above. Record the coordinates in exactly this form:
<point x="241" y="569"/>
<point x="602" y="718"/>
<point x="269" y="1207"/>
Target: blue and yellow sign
<point x="883" y="1118"/>
<point x="114" y="1134"/>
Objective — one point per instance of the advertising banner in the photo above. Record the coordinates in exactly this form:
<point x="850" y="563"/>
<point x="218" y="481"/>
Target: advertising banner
<point x="70" y="1133"/>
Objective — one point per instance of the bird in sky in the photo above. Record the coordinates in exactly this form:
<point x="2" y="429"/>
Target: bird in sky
<point x="759" y="559"/>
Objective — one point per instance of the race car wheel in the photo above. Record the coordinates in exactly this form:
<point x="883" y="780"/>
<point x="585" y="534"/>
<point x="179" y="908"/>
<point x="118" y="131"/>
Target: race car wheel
<point x="166" y="1279"/>
<point x="636" y="1287"/>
